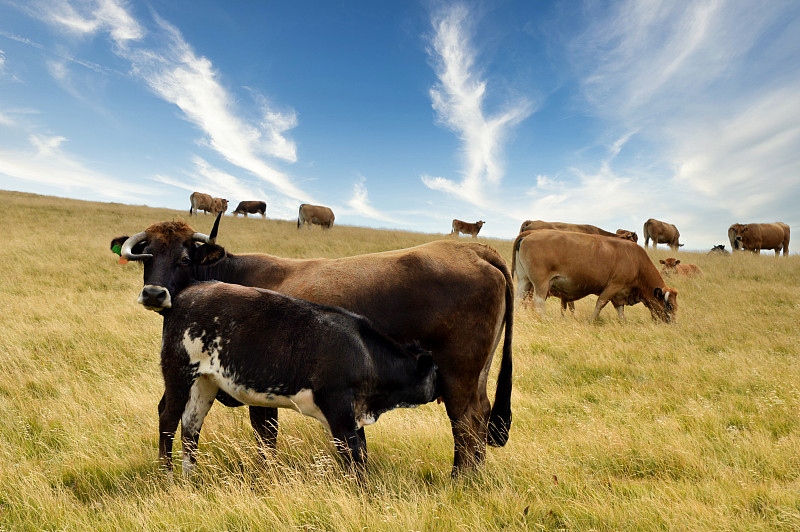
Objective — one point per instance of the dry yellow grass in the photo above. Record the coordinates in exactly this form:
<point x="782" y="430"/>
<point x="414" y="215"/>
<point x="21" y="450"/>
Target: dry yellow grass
<point x="634" y="426"/>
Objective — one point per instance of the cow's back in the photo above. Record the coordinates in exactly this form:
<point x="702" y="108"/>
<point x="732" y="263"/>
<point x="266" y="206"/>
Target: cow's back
<point x="580" y="264"/>
<point x="453" y="281"/>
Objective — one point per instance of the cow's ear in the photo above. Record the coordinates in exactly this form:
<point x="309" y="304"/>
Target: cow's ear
<point x="208" y="254"/>
<point x="116" y="244"/>
<point x="677" y="262"/>
<point x="424" y="363"/>
<point x="662" y="261"/>
<point x="658" y="293"/>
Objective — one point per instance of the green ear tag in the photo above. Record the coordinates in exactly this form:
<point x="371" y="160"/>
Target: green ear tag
<point x="117" y="249"/>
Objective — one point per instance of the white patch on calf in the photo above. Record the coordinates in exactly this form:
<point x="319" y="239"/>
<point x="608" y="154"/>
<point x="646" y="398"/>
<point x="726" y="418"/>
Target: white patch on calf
<point x="208" y="364"/>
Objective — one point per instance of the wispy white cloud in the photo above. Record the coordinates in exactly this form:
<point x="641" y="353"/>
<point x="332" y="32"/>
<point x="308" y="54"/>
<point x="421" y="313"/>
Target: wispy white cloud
<point x="45" y="161"/>
<point x="174" y="72"/>
<point x="459" y="99"/>
<point x="360" y="205"/>
<point x="705" y="85"/>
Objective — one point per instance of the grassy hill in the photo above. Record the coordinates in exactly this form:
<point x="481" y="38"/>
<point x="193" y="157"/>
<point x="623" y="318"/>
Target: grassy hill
<point x="617" y="426"/>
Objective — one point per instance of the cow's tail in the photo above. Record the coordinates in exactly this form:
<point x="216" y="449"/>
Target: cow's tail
<point x="515" y="250"/>
<point x="500" y="418"/>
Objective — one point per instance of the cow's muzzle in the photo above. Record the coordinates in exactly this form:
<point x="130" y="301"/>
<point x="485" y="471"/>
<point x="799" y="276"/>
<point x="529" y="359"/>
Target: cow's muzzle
<point x="155" y="298"/>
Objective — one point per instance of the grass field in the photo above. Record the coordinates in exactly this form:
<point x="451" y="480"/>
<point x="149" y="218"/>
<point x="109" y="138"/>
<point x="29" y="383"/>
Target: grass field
<point x="634" y="426"/>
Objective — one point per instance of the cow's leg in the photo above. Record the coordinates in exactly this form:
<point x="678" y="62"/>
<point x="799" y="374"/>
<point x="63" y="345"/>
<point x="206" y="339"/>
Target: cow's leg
<point x="170" y="409"/>
<point x="201" y="397"/>
<point x="602" y="301"/>
<point x="571" y="307"/>
<point x="620" y="311"/>
<point x="348" y="437"/>
<point x="264" y="421"/>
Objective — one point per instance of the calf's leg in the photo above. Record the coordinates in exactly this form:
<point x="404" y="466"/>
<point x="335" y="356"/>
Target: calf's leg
<point x="264" y="421"/>
<point x="201" y="397"/>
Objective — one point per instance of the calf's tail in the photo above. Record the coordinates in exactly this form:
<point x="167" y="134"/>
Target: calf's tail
<point x="500" y="418"/>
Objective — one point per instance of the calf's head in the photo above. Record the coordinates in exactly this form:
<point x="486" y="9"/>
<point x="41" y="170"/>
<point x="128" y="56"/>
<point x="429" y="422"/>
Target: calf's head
<point x="170" y="252"/>
<point x="670" y="265"/>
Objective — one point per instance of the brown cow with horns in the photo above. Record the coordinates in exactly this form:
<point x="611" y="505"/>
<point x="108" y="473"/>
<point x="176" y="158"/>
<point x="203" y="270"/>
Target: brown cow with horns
<point x="454" y="298"/>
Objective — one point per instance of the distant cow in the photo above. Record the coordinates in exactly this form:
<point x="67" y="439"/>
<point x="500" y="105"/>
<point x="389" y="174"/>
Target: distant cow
<point x="200" y="202"/>
<point x="220" y="205"/>
<point x="271" y="350"/>
<point x="755" y="237"/>
<point x="466" y="228"/>
<point x="574" y="265"/>
<point x="661" y="233"/>
<point x="627" y="235"/>
<point x="251" y="207"/>
<point x="535" y="225"/>
<point x="673" y="265"/>
<point x="719" y="249"/>
<point x="315" y="214"/>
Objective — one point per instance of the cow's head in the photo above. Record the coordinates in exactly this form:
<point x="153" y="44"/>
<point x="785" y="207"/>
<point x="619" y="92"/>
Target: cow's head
<point x="666" y="304"/>
<point x="735" y="234"/>
<point x="170" y="252"/>
<point x="628" y="235"/>
<point x="480" y="223"/>
<point x="670" y="265"/>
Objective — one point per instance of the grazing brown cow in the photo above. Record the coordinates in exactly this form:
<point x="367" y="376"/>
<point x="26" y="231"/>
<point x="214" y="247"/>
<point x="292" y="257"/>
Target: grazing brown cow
<point x="661" y="233"/>
<point x="251" y="207"/>
<point x="755" y="237"/>
<point x="535" y="225"/>
<point x="200" y="202"/>
<point x="315" y="214"/>
<point x="455" y="298"/>
<point x="574" y="265"/>
<point x="673" y="265"/>
<point x="466" y="228"/>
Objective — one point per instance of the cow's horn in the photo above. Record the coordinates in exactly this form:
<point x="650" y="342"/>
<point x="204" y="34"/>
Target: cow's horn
<point x="215" y="229"/>
<point x="200" y="237"/>
<point x="128" y="246"/>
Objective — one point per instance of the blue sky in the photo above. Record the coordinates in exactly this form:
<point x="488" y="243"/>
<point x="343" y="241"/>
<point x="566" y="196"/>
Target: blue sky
<point x="409" y="114"/>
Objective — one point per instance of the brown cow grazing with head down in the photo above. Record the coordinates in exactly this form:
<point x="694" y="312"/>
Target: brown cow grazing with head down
<point x="244" y="341"/>
<point x="535" y="225"/>
<point x="455" y="298"/>
<point x="315" y="214"/>
<point x="673" y="265"/>
<point x="661" y="233"/>
<point x="574" y="265"/>
<point x="755" y="237"/>
<point x="466" y="228"/>
<point x="251" y="207"/>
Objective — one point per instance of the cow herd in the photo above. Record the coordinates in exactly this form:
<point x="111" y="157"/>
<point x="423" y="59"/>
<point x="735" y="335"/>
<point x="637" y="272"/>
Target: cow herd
<point x="308" y="214"/>
<point x="345" y="340"/>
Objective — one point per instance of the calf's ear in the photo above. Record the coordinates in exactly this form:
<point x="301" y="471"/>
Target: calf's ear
<point x="677" y="262"/>
<point x="662" y="261"/>
<point x="208" y="254"/>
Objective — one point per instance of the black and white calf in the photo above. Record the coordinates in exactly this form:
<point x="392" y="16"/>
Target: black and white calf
<point x="267" y="349"/>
